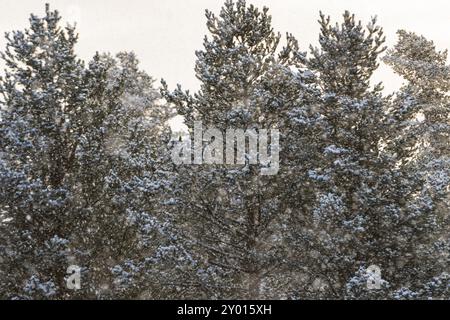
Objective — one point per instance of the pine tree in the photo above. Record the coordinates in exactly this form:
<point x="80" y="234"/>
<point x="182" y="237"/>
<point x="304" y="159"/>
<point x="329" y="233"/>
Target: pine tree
<point x="81" y="164"/>
<point x="337" y="231"/>
<point x="420" y="138"/>
<point x="347" y="56"/>
<point x="120" y="175"/>
<point x="43" y="92"/>
<point x="367" y="209"/>
<point x="233" y="216"/>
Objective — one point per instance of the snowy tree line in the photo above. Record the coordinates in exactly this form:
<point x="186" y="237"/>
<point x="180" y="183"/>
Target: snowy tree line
<point x="86" y="176"/>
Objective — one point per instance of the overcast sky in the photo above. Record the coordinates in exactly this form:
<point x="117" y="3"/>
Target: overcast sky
<point x="165" y="33"/>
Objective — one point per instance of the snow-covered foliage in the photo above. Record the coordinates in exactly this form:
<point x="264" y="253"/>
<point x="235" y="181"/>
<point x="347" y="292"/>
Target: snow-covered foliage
<point x="81" y="148"/>
<point x="86" y="177"/>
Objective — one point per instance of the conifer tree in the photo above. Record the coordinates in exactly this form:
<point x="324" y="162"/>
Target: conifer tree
<point x="367" y="207"/>
<point x="420" y="139"/>
<point x="234" y="216"/>
<point x="348" y="55"/>
<point x="43" y="93"/>
<point x="81" y="164"/>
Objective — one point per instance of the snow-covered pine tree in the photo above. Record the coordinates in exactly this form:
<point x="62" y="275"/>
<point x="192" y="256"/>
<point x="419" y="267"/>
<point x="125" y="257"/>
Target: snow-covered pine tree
<point x="81" y="154"/>
<point x="421" y="139"/>
<point x="234" y="218"/>
<point x="345" y="230"/>
<point x="338" y="232"/>
<point x="43" y="92"/>
<point x="368" y="211"/>
<point x="120" y="176"/>
<point x="347" y="56"/>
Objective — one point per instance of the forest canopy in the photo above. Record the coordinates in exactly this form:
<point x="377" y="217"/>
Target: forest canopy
<point x="87" y="177"/>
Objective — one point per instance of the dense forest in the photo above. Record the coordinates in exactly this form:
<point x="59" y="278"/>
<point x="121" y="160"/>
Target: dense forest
<point x="87" y="177"/>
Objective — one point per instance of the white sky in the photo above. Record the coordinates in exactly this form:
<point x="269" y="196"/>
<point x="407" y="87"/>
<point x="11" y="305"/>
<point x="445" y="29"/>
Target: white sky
<point x="165" y="33"/>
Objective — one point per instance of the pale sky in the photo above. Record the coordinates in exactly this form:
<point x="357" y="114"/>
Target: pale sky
<point x="165" y="33"/>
